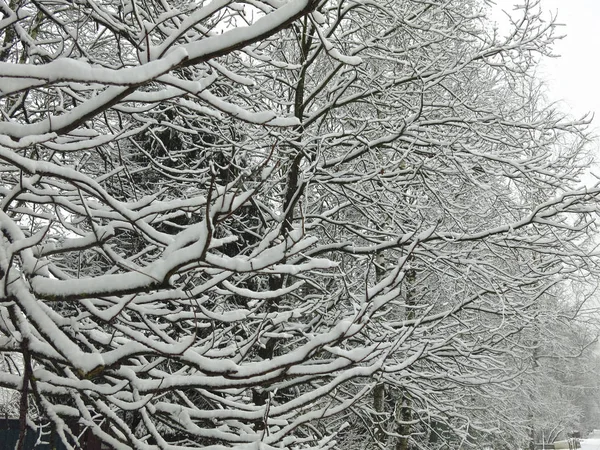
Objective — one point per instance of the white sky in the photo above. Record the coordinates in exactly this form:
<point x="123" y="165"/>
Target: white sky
<point x="574" y="77"/>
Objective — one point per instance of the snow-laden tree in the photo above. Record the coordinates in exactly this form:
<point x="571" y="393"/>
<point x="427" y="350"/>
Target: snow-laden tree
<point x="237" y="224"/>
<point x="438" y="128"/>
<point x="558" y="393"/>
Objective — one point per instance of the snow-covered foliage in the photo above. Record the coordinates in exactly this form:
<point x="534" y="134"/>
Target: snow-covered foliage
<point x="227" y="225"/>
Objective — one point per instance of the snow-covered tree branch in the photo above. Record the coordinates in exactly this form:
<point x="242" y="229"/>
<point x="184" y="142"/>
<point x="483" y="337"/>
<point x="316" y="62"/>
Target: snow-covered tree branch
<point x="233" y="225"/>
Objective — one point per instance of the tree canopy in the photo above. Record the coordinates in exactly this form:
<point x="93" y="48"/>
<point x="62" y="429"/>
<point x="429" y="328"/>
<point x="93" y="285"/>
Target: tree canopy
<point x="291" y="224"/>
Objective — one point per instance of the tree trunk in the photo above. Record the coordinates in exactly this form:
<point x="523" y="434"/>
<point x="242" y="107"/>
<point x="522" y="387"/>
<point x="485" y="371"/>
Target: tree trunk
<point x="404" y="413"/>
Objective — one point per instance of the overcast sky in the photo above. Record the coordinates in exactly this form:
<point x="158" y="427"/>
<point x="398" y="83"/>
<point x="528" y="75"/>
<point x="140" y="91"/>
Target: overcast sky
<point x="574" y="77"/>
